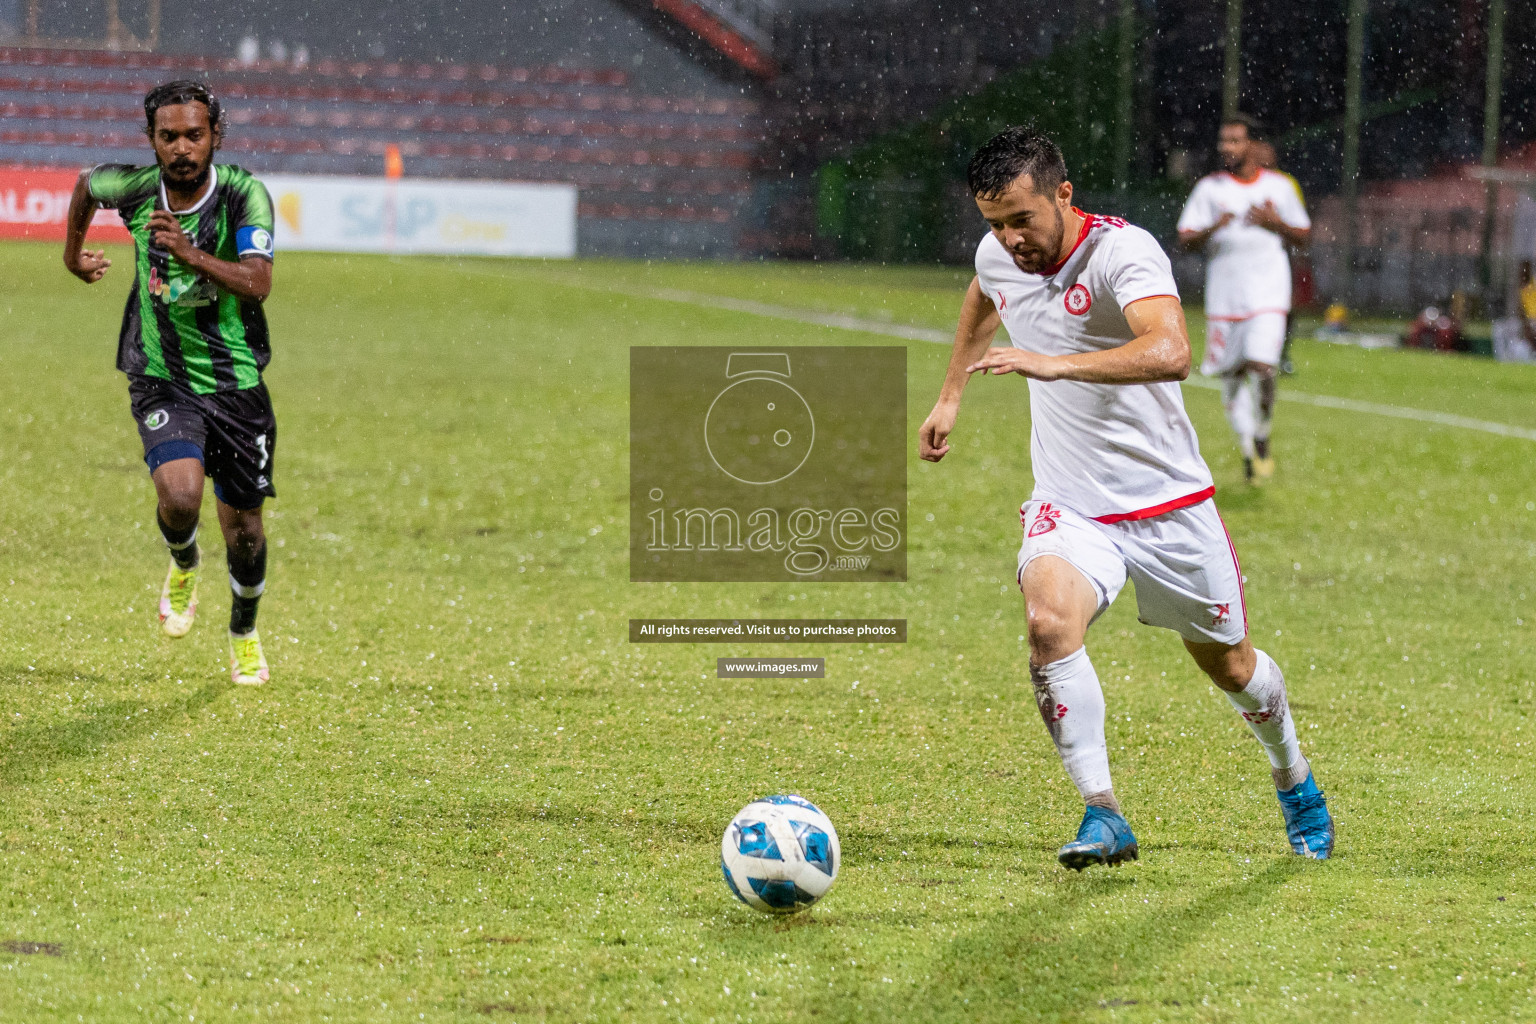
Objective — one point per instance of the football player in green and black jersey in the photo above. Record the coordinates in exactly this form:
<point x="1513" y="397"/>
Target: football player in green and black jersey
<point x="193" y="344"/>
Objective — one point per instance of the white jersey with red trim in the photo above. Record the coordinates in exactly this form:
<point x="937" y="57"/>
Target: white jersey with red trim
<point x="1247" y="271"/>
<point x="1106" y="451"/>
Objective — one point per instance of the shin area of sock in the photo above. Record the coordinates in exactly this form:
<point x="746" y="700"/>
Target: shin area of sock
<point x="1072" y="704"/>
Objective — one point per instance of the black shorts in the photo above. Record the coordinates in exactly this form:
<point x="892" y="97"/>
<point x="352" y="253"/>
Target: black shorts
<point x="234" y="435"/>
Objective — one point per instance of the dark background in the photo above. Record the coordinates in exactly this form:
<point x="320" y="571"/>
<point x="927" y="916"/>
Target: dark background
<point x="849" y="71"/>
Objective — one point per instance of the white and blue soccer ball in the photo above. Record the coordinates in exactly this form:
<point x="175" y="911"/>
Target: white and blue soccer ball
<point x="780" y="854"/>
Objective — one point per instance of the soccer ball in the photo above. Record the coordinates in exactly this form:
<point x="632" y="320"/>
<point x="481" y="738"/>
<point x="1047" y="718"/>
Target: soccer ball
<point x="780" y="854"/>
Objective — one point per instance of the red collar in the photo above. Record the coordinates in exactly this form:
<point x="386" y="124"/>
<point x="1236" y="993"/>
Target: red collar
<point x="1246" y="181"/>
<point x="1089" y="220"/>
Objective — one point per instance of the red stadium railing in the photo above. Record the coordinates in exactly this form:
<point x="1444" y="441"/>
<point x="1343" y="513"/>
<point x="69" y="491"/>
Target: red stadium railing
<point x="634" y="156"/>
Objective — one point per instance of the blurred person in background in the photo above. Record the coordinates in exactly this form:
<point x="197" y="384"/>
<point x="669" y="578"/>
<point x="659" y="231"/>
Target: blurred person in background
<point x="1527" y="303"/>
<point x="1242" y="218"/>
<point x="1438" y="327"/>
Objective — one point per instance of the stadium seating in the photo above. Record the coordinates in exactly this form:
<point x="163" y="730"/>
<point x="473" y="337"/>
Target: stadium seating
<point x="656" y="175"/>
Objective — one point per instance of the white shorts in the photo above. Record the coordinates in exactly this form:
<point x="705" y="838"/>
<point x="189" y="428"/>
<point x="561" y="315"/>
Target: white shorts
<point x="1182" y="562"/>
<point x="1231" y="343"/>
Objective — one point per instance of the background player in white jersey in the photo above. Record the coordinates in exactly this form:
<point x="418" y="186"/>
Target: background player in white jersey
<point x="1120" y="489"/>
<point x="1242" y="217"/>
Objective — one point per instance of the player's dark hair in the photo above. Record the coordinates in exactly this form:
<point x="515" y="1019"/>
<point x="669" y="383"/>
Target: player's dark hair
<point x="184" y="91"/>
<point x="1255" y="129"/>
<point x="1013" y="151"/>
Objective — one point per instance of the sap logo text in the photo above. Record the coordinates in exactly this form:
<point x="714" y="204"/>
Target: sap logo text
<point x="367" y="217"/>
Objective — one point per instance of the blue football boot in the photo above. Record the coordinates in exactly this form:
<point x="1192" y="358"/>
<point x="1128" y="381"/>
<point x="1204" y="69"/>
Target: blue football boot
<point x="1308" y="824"/>
<point x="1104" y="837"/>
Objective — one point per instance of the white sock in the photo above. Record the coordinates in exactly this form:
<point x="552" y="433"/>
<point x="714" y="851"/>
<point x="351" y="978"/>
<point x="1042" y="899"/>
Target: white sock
<point x="1263" y="706"/>
<point x="1072" y="704"/>
<point x="1238" y="399"/>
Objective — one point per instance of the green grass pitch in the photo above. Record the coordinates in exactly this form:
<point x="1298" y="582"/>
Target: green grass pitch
<point x="464" y="796"/>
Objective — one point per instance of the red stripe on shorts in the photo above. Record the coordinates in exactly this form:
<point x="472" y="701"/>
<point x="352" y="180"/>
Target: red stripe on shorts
<point x="1157" y="510"/>
<point x="1242" y="597"/>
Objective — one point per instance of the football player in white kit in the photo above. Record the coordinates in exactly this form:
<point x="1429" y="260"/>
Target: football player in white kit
<point x="1242" y="216"/>
<point x="1120" y="489"/>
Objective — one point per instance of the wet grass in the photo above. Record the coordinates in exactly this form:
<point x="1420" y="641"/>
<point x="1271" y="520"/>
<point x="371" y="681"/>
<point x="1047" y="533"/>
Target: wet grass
<point x="465" y="797"/>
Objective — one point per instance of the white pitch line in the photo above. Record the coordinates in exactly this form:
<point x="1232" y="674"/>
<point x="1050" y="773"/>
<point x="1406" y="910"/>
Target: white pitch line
<point x="842" y="321"/>
<point x="1401" y="412"/>
<point x="853" y="323"/>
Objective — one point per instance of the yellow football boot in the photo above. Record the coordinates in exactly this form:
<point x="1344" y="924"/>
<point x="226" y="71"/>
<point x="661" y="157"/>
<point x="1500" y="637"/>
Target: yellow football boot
<point x="178" y="600"/>
<point x="247" y="665"/>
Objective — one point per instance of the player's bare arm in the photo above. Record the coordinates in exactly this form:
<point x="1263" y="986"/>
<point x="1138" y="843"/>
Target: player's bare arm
<point x="250" y="278"/>
<point x="89" y="265"/>
<point x="1268" y="217"/>
<point x="978" y="325"/>
<point x="1159" y="352"/>
<point x="1195" y="240"/>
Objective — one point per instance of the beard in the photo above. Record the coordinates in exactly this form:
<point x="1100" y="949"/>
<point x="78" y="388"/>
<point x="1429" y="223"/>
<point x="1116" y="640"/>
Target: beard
<point x="185" y="174"/>
<point x="1035" y="261"/>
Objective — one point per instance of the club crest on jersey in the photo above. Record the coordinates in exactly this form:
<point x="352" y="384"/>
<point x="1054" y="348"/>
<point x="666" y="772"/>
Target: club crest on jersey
<point x="1045" y="520"/>
<point x="1077" y="300"/>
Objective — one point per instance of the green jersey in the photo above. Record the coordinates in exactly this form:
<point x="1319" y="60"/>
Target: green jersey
<point x="178" y="325"/>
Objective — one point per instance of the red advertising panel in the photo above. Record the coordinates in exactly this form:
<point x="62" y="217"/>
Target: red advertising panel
<point x="34" y="203"/>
